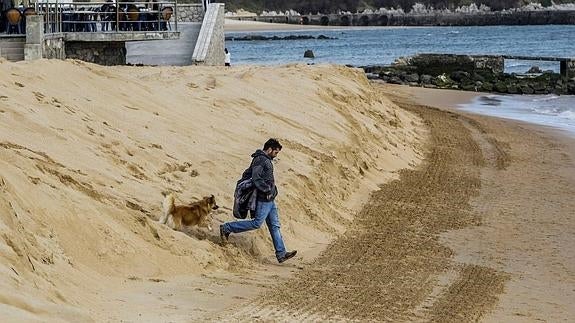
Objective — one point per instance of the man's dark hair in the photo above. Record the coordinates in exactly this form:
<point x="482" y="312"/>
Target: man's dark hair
<point x="273" y="144"/>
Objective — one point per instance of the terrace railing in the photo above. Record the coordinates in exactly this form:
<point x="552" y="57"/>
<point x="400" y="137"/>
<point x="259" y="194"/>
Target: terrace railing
<point x="113" y="16"/>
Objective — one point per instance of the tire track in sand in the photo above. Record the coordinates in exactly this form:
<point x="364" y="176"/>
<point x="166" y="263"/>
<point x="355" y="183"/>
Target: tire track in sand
<point x="390" y="261"/>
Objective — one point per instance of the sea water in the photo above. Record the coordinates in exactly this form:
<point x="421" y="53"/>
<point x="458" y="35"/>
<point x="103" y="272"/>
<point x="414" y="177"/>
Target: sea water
<point x="549" y="110"/>
<point x="364" y="46"/>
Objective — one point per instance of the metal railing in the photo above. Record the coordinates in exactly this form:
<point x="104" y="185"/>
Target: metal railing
<point x="109" y="16"/>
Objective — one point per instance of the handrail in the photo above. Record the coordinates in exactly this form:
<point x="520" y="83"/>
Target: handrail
<point x="107" y="16"/>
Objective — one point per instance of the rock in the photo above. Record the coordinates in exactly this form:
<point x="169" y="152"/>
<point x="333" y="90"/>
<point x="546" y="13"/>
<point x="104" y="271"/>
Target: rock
<point x="513" y="89"/>
<point x="487" y="87"/>
<point x="395" y="80"/>
<point x="426" y="79"/>
<point x="308" y="54"/>
<point x="468" y="87"/>
<point x="412" y="78"/>
<point x="537" y="87"/>
<point x="526" y="89"/>
<point x="458" y="76"/>
<point x="442" y="81"/>
<point x="501" y="87"/>
<point x="478" y="77"/>
<point x="534" y="70"/>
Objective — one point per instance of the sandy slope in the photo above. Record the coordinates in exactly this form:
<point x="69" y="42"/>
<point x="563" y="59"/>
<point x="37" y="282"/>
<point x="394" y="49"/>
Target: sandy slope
<point x="86" y="150"/>
<point x="482" y="230"/>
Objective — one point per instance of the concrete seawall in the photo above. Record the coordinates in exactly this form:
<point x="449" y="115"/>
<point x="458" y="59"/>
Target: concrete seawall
<point x="543" y="17"/>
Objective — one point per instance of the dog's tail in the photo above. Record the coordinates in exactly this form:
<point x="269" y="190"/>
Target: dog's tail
<point x="168" y="205"/>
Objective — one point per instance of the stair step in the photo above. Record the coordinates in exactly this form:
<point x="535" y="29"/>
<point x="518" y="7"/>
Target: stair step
<point x="12" y="45"/>
<point x="14" y="57"/>
<point x="11" y="51"/>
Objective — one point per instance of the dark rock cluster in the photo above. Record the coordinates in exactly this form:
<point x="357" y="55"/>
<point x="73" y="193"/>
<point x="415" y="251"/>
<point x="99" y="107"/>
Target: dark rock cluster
<point x="481" y="80"/>
<point x="261" y="37"/>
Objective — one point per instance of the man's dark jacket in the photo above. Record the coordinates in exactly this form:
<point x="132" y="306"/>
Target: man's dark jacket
<point x="258" y="179"/>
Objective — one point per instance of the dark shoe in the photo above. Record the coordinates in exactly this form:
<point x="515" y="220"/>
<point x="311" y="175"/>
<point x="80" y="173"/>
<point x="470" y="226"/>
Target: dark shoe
<point x="224" y="235"/>
<point x="287" y="255"/>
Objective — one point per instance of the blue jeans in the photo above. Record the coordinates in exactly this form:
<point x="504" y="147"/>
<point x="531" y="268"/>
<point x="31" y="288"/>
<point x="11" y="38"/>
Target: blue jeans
<point x="265" y="211"/>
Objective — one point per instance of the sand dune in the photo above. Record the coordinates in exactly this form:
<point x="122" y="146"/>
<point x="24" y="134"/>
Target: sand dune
<point x="87" y="150"/>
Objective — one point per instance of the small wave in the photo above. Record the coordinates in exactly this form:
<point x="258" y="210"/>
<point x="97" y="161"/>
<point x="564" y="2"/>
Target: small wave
<point x="545" y="111"/>
<point x="546" y="98"/>
<point x="567" y="115"/>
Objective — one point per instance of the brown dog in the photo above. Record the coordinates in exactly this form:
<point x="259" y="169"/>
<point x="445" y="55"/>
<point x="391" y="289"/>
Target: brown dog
<point x="176" y="216"/>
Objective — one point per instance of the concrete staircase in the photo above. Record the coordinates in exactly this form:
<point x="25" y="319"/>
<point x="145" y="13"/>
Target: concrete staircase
<point x="12" y="47"/>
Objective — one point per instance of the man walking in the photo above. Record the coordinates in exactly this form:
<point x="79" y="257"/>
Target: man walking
<point x="261" y="171"/>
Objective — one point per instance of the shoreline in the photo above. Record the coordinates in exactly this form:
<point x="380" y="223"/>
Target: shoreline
<point x="454" y="99"/>
<point x="240" y="26"/>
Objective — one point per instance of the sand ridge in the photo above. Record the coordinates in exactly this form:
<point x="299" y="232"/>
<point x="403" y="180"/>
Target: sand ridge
<point x="86" y="151"/>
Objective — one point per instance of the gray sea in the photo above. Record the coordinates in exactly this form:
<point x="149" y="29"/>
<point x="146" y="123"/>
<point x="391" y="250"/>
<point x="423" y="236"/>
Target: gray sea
<point x="382" y="45"/>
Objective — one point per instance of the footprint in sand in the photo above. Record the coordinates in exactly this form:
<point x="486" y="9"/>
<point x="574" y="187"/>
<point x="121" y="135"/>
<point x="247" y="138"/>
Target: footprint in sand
<point x="39" y="96"/>
<point x="211" y="84"/>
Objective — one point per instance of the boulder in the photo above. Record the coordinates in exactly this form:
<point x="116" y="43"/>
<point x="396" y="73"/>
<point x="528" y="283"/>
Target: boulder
<point x="534" y="70"/>
<point x="478" y="77"/>
<point x="395" y="80"/>
<point x="538" y="86"/>
<point x="501" y="87"/>
<point x="458" y="76"/>
<point x="487" y="87"/>
<point x="513" y="89"/>
<point x="412" y="78"/>
<point x="308" y="54"/>
<point x="443" y="81"/>
<point x="426" y="79"/>
<point x="526" y="89"/>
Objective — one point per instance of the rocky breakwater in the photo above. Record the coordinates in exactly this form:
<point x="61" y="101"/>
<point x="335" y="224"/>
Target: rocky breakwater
<point x="470" y="73"/>
<point x="261" y="37"/>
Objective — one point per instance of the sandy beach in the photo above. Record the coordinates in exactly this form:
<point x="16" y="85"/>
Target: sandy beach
<point x="401" y="207"/>
<point x="233" y="25"/>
